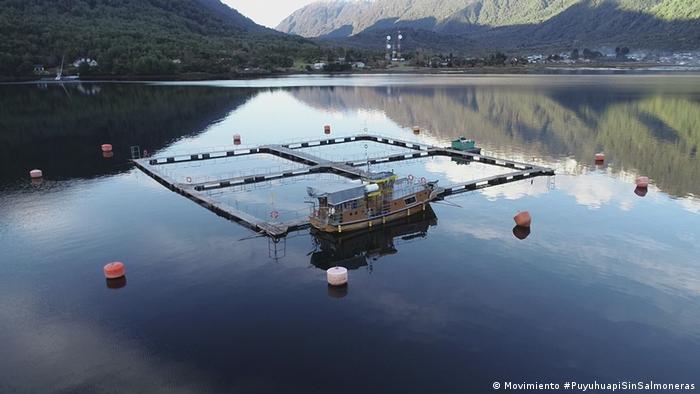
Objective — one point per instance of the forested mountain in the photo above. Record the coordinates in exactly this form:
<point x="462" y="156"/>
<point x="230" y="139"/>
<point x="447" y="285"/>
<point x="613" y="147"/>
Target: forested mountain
<point x="508" y="24"/>
<point x="140" y="37"/>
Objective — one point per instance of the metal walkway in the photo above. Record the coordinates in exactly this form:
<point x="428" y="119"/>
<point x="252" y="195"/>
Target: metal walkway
<point x="349" y="169"/>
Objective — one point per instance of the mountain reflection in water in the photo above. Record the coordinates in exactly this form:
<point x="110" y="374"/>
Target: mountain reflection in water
<point x="60" y="127"/>
<point x="650" y="126"/>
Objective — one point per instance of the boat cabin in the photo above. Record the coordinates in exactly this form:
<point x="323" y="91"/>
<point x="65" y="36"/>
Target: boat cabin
<point x="464" y="144"/>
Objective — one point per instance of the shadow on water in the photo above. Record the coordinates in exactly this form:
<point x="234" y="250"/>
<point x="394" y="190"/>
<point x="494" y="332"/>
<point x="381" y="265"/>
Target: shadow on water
<point x="61" y="127"/>
<point x="649" y="126"/>
<point x="361" y="248"/>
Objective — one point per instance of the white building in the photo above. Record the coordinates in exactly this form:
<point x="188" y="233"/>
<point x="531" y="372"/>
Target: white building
<point x="88" y="61"/>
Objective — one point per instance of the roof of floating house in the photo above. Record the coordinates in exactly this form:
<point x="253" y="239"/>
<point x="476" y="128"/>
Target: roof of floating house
<point x="376" y="176"/>
<point x="341" y="196"/>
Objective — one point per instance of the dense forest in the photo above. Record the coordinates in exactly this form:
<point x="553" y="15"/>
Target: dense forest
<point x="144" y="37"/>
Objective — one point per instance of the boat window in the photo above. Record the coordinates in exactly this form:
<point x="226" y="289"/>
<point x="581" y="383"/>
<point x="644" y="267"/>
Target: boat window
<point x="410" y="200"/>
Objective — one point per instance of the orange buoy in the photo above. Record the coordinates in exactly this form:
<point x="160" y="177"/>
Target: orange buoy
<point x="106" y="147"/>
<point x="521" y="232"/>
<point x="114" y="270"/>
<point x="643" y="182"/>
<point x="108" y="155"/>
<point x="416" y="130"/>
<point x="641" y="191"/>
<point x="523" y="219"/>
<point x="327" y="129"/>
<point x="236" y="139"/>
<point x="600" y="157"/>
<point x="36" y="174"/>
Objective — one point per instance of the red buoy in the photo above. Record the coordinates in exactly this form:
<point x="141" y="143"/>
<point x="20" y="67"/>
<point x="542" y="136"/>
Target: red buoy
<point x="327" y="129"/>
<point x="523" y="219"/>
<point x="416" y="130"/>
<point x="36" y="174"/>
<point x="106" y="147"/>
<point x="643" y="182"/>
<point x="236" y="139"/>
<point x="599" y="157"/>
<point x="641" y="191"/>
<point x="114" y="270"/>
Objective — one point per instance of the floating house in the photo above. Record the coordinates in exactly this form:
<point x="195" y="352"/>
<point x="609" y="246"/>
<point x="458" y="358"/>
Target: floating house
<point x="384" y="198"/>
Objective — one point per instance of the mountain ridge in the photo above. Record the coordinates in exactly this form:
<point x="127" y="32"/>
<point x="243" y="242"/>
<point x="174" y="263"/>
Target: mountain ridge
<point x="509" y="23"/>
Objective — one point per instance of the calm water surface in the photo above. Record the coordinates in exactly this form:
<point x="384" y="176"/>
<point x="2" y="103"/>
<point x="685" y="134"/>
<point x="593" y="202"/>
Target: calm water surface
<point x="606" y="287"/>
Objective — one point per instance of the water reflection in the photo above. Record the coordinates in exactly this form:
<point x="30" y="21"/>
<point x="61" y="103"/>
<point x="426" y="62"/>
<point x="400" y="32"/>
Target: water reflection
<point x="521" y="232"/>
<point x="61" y="126"/>
<point x="361" y="248"/>
<point x="651" y="126"/>
<point x="116" y="284"/>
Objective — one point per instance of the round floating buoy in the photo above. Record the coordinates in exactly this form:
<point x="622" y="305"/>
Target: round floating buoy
<point x="410" y="178"/>
<point x="641" y="191"/>
<point x="423" y="181"/>
<point x="188" y="179"/>
<point x="274" y="214"/>
<point x="106" y="147"/>
<point x="337" y="276"/>
<point x="145" y="153"/>
<point x="643" y="182"/>
<point x="114" y="270"/>
<point x="599" y="157"/>
<point x="327" y="129"/>
<point x="521" y="232"/>
<point x="416" y="130"/>
<point x="108" y="155"/>
<point x="236" y="139"/>
<point x="36" y="174"/>
<point x="523" y="219"/>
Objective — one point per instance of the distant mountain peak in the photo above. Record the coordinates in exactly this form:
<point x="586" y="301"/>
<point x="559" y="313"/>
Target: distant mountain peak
<point x="525" y="23"/>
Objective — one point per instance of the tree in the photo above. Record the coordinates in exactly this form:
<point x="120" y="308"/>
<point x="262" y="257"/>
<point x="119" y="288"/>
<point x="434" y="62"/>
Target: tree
<point x="621" y="52"/>
<point x="574" y="54"/>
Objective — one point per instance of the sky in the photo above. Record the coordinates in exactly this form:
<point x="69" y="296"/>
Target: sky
<point x="267" y="12"/>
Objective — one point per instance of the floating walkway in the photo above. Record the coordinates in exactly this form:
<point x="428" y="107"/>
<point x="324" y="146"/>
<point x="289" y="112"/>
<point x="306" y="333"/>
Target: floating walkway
<point x="317" y="165"/>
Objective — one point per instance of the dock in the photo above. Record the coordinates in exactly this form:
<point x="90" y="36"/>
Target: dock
<point x="154" y="167"/>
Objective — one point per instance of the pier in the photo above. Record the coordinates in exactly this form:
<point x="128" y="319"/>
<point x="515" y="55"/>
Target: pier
<point x="316" y="165"/>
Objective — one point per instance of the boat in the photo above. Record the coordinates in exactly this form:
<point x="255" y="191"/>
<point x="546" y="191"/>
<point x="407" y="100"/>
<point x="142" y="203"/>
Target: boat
<point x="358" y="249"/>
<point x="383" y="198"/>
<point x="60" y="77"/>
<point x="465" y="145"/>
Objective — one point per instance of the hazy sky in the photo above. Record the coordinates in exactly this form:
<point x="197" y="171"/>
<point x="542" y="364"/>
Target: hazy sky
<point x="267" y="12"/>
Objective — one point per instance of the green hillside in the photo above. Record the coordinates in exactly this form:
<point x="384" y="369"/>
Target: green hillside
<point x="140" y="37"/>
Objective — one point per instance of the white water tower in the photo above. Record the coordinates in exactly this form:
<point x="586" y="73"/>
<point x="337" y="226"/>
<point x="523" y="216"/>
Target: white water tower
<point x="388" y="48"/>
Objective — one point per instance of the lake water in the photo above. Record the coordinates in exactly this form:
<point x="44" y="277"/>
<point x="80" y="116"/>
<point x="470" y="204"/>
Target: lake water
<point x="606" y="286"/>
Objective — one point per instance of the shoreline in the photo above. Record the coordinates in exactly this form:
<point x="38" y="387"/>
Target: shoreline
<point x="539" y="69"/>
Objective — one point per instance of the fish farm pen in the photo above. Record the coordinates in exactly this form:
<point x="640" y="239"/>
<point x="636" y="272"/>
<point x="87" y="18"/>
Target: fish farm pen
<point x="299" y="162"/>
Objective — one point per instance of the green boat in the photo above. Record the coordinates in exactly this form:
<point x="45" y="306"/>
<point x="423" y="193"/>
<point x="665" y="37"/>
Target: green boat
<point x="465" y="145"/>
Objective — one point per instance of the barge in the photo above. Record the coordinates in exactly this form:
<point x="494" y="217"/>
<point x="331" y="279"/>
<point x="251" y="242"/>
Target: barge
<point x="384" y="198"/>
